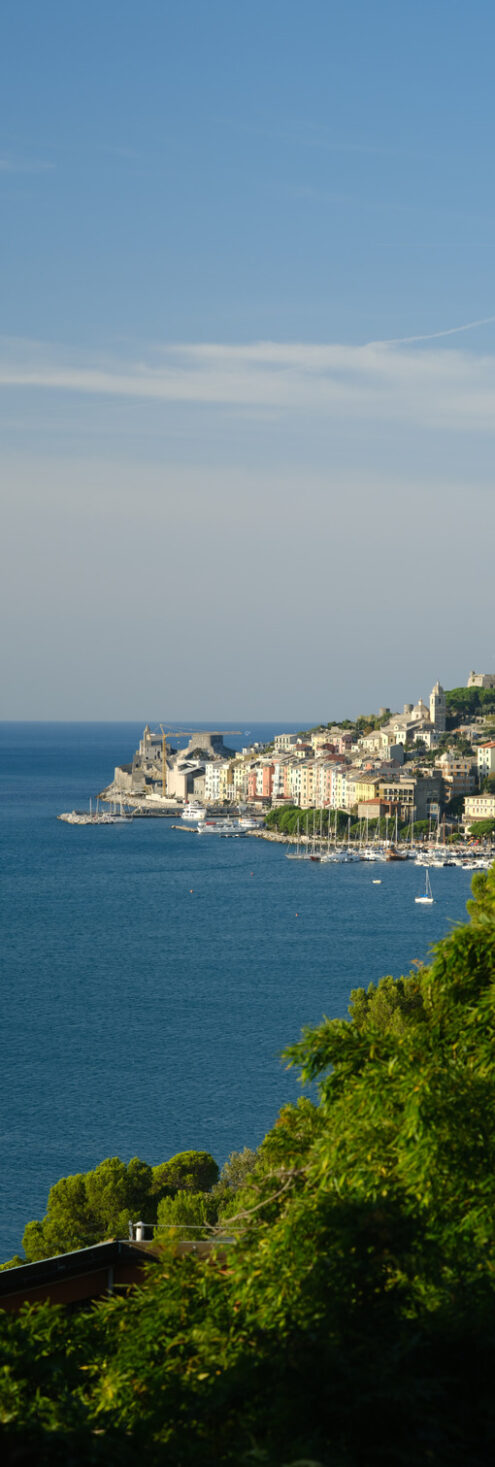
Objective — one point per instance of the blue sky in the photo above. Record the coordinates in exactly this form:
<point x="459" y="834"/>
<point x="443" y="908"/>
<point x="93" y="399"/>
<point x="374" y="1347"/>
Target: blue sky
<point x="242" y="474"/>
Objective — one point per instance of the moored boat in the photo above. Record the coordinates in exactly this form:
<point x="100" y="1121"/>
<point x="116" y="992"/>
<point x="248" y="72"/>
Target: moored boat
<point x="427" y="899"/>
<point x="193" y="811"/>
<point x="219" y="827"/>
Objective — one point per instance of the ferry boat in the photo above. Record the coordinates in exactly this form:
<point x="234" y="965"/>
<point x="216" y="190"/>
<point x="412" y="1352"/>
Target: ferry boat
<point x="193" y="811"/>
<point x="220" y="827"/>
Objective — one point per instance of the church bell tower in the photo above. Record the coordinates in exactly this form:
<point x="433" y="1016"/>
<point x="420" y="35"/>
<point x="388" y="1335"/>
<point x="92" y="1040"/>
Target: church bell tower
<point x="438" y="708"/>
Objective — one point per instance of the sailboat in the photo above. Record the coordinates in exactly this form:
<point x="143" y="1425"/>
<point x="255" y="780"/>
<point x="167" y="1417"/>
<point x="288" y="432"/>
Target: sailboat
<point x="296" y="855"/>
<point x="315" y="855"/>
<point x="327" y="854"/>
<point x="428" y="898"/>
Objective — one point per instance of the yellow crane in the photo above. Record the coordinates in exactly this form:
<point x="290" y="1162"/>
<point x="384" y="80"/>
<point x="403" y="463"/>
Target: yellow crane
<point x="178" y="733"/>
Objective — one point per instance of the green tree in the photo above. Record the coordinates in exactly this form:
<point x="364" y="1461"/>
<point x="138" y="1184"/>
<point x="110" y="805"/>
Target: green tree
<point x="468" y="703"/>
<point x="352" y="1323"/>
<point x="482" y="828"/>
<point x="463" y="703"/>
<point x="90" y="1206"/>
<point x="189" y="1171"/>
<point x="455" y="806"/>
<point x="69" y="1221"/>
<point x="189" y="1214"/>
<point x="237" y="1168"/>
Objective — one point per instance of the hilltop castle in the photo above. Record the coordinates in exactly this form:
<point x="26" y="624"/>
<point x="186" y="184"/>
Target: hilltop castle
<point x="156" y="769"/>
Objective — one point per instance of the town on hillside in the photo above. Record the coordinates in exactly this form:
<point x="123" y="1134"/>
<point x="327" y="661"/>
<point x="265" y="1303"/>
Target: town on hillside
<point x="433" y="762"/>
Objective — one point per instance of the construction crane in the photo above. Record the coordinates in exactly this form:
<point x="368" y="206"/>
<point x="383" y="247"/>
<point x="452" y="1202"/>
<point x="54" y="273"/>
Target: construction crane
<point x="178" y="733"/>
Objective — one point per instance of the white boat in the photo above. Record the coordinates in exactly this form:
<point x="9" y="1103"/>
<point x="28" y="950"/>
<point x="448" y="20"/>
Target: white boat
<point x="427" y="899"/>
<point x="118" y="813"/>
<point x="219" y="827"/>
<point x="193" y="811"/>
<point x="298" y="854"/>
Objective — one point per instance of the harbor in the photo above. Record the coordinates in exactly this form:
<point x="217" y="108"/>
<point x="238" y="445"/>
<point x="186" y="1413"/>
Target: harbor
<point x="332" y="796"/>
<point x="305" y="846"/>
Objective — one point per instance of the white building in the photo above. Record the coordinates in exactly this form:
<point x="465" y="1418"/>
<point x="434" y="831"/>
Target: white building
<point x="213" y="778"/>
<point x="438" y="708"/>
<point x="281" y="775"/>
<point x="418" y="721"/>
<point x="486" y="760"/>
<point x="382" y="742"/>
<point x="479" y="807"/>
<point x="338" y="786"/>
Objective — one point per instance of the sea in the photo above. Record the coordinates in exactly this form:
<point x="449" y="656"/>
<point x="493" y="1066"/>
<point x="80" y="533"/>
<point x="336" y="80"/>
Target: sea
<point x="152" y="978"/>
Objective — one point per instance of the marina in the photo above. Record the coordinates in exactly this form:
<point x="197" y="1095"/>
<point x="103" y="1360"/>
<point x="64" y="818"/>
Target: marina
<point x="309" y="848"/>
<point x="196" y="820"/>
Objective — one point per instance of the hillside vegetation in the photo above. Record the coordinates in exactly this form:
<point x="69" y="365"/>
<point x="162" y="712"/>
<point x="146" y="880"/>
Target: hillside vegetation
<point x="352" y="1323"/>
<point x="466" y="703"/>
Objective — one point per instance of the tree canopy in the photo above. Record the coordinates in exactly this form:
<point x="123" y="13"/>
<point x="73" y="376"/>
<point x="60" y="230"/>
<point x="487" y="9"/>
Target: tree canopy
<point x="482" y="828"/>
<point x="90" y="1206"/>
<point x="466" y="702"/>
<point x="352" y="1323"/>
<point x="190" y="1171"/>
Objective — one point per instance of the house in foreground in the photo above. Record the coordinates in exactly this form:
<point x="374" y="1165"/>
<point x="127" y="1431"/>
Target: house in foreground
<point x="75" y="1279"/>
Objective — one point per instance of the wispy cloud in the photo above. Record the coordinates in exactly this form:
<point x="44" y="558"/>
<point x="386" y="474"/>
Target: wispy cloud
<point x="24" y="165"/>
<point x="394" y="381"/>
<point x="314" y="135"/>
<point x="434" y="335"/>
<point x="310" y="135"/>
<point x="129" y="155"/>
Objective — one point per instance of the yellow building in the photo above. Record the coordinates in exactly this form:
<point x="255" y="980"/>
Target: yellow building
<point x="365" y="787"/>
<point x="240" y="769"/>
<point x="307" y="784"/>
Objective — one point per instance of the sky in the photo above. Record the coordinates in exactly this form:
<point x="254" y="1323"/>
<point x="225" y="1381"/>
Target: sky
<point x="247" y="356"/>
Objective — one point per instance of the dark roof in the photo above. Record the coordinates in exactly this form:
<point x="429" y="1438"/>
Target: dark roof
<point x="69" y="1265"/>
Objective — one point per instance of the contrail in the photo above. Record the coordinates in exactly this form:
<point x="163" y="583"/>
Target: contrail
<point x="432" y="335"/>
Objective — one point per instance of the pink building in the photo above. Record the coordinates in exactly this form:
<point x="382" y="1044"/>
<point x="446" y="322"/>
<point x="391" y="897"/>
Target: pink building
<point x="267" y="781"/>
<point x="252" y="784"/>
<point x="260" y="782"/>
<point x="344" y="743"/>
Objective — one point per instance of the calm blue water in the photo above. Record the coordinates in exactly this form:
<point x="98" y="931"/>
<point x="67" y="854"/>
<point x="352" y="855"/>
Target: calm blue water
<point x="151" y="978"/>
